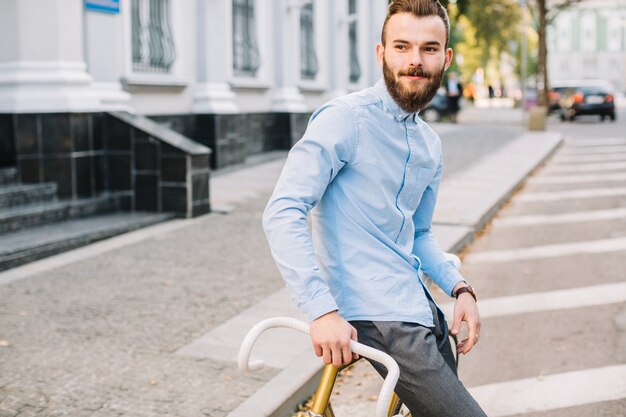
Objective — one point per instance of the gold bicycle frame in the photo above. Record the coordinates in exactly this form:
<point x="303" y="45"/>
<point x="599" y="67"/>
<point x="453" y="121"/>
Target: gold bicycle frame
<point x="321" y="407"/>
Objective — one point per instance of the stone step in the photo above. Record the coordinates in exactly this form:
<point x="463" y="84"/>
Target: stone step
<point x="24" y="194"/>
<point x="25" y="246"/>
<point x="8" y="176"/>
<point x="15" y="219"/>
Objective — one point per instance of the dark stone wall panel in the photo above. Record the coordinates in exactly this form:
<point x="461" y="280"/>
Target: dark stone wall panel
<point x="81" y="132"/>
<point x="119" y="171"/>
<point x="59" y="170"/>
<point x="146" y="192"/>
<point x="174" y="168"/>
<point x="27" y="135"/>
<point x="29" y="170"/>
<point x="117" y="135"/>
<point x="146" y="156"/>
<point x="174" y="198"/>
<point x="8" y="155"/>
<point x="55" y="134"/>
<point x="84" y="176"/>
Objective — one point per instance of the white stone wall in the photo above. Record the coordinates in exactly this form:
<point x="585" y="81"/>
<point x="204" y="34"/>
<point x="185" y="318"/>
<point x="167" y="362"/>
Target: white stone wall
<point x="56" y="37"/>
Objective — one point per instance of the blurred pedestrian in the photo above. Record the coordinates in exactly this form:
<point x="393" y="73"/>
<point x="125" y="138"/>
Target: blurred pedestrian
<point x="454" y="90"/>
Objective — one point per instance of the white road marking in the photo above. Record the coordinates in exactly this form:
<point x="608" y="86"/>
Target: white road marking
<point x="548" y="301"/>
<point x="604" y="166"/>
<point x="550" y="392"/>
<point x="569" y="179"/>
<point x="548" y="251"/>
<point x="594" y="150"/>
<point x="581" y="143"/>
<point x="575" y="159"/>
<point x="581" y="216"/>
<point x="570" y="194"/>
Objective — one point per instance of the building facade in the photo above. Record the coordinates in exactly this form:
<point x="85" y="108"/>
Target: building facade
<point x="588" y="41"/>
<point x="186" y="56"/>
<point x="88" y="88"/>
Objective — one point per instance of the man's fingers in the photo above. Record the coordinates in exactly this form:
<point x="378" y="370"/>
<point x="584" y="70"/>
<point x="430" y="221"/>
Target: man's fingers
<point x="318" y="349"/>
<point x="337" y="356"/>
<point x="327" y="355"/>
<point x="456" y="325"/>
<point x="346" y="353"/>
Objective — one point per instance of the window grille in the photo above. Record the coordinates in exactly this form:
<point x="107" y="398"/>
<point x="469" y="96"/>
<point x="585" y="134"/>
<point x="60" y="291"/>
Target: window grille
<point x="152" y="42"/>
<point x="308" y="58"/>
<point x="246" y="60"/>
<point x="355" y="66"/>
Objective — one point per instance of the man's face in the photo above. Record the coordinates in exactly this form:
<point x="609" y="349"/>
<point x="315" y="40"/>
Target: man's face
<point x="414" y="59"/>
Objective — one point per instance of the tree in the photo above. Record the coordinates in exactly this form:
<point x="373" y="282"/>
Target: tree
<point x="545" y="16"/>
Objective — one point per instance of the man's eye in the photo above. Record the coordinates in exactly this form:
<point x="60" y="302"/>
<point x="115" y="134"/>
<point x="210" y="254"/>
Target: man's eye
<point x="401" y="47"/>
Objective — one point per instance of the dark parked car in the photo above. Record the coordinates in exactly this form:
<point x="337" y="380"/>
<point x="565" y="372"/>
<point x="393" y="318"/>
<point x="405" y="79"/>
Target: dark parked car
<point x="554" y="97"/>
<point x="587" y="99"/>
<point x="436" y="109"/>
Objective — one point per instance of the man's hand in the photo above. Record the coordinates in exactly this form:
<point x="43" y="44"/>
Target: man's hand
<point x="465" y="309"/>
<point x="331" y="336"/>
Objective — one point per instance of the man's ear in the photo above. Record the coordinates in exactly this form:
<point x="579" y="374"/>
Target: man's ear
<point x="380" y="52"/>
<point x="449" y="55"/>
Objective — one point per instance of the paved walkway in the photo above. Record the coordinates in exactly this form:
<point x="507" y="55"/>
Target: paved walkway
<point x="125" y="326"/>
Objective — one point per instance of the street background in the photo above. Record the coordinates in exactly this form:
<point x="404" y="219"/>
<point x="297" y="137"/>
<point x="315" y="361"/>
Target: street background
<point x="96" y="332"/>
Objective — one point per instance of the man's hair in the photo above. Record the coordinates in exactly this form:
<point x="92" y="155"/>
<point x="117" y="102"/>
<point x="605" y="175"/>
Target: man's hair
<point x="418" y="8"/>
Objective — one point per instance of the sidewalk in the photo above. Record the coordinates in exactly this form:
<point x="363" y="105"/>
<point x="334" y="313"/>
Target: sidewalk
<point x="138" y="325"/>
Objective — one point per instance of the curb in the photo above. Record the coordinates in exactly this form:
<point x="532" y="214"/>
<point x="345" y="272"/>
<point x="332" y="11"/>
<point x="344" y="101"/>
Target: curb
<point x="472" y="198"/>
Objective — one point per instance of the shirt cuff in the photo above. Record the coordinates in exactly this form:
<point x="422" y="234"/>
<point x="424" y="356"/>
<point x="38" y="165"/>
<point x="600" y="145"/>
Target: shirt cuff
<point x="449" y="278"/>
<point x="319" y="306"/>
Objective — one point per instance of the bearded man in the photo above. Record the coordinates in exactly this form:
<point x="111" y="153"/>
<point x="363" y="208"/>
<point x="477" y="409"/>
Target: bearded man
<point x="371" y="168"/>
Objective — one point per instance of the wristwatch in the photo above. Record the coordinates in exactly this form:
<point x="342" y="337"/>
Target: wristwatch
<point x="468" y="289"/>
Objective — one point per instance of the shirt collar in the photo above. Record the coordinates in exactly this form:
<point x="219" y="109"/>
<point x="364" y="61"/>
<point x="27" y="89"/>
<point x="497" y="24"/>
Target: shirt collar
<point x="397" y="111"/>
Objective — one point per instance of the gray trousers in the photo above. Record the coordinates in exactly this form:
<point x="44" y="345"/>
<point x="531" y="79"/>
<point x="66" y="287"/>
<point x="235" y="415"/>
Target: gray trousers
<point x="428" y="383"/>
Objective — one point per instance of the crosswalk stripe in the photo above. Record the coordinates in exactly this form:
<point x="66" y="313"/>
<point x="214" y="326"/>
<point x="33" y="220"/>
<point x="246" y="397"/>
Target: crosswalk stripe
<point x="551" y="392"/>
<point x="548" y="301"/>
<point x="548" y="251"/>
<point x="582" y="143"/>
<point x="605" y="166"/>
<point x="575" y="159"/>
<point x="569" y="179"/>
<point x="593" y="151"/>
<point x="570" y="194"/>
<point x="581" y="216"/>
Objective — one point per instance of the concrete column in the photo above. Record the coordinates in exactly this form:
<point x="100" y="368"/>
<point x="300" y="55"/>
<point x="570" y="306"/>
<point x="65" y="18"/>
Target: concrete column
<point x="213" y="93"/>
<point x="42" y="61"/>
<point x="338" y="50"/>
<point x="106" y="53"/>
<point x="286" y="97"/>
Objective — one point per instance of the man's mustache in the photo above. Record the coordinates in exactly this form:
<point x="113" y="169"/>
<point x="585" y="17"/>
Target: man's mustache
<point x="416" y="72"/>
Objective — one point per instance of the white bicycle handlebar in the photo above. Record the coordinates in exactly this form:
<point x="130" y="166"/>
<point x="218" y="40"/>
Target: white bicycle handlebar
<point x="393" y="372"/>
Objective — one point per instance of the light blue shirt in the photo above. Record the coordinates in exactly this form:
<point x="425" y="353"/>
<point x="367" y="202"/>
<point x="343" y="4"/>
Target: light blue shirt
<point x="372" y="171"/>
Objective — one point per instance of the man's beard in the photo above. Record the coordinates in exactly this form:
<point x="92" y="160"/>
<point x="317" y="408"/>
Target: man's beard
<point x="415" y="97"/>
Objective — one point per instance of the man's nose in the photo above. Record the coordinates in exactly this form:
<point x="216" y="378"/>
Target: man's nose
<point x="415" y="58"/>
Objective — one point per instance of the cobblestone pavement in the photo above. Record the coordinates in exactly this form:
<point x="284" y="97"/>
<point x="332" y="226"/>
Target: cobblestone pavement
<point x="97" y="337"/>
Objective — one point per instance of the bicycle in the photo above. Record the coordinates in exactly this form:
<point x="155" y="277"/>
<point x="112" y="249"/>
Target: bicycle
<point x="388" y="403"/>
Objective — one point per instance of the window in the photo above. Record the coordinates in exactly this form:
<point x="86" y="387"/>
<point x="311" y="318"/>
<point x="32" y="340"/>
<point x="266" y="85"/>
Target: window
<point x="308" y="59"/>
<point x="355" y="67"/>
<point x="246" y="59"/>
<point x="152" y="42"/>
